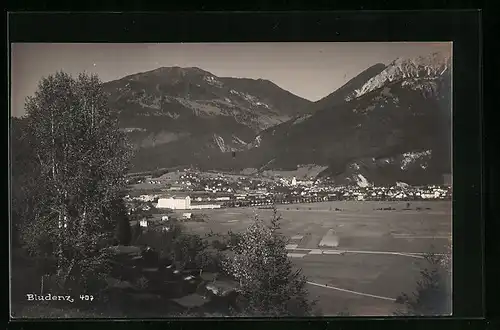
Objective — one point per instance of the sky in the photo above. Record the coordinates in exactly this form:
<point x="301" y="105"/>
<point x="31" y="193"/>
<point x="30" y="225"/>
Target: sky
<point x="311" y="70"/>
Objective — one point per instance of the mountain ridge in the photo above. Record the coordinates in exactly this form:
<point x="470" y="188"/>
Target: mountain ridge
<point x="193" y="103"/>
<point x="389" y="123"/>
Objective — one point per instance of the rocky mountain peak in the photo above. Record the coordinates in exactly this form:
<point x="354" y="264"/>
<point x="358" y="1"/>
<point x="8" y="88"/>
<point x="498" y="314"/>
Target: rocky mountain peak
<point x="428" y="67"/>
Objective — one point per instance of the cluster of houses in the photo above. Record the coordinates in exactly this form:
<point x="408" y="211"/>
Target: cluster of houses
<point x="398" y="192"/>
<point x="201" y="200"/>
<point x="197" y="191"/>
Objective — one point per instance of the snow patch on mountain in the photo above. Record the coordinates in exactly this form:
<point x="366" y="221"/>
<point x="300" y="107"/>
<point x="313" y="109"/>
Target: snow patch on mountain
<point x="252" y="100"/>
<point x="354" y="166"/>
<point x="428" y="87"/>
<point x="263" y="105"/>
<point x="411" y="157"/>
<point x="430" y="66"/>
<point x="173" y="115"/>
<point x="236" y="143"/>
<point x="258" y="140"/>
<point x="237" y="140"/>
<point x="219" y="140"/>
<point x="361" y="181"/>
<point x="213" y="81"/>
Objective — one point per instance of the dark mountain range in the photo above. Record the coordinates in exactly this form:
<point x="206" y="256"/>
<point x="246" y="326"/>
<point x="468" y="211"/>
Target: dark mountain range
<point x="389" y="123"/>
<point x="193" y="106"/>
<point x="396" y="126"/>
<point x="269" y="93"/>
<point x="340" y="95"/>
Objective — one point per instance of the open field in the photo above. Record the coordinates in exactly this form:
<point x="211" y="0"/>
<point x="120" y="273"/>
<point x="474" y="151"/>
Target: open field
<point x="376" y="247"/>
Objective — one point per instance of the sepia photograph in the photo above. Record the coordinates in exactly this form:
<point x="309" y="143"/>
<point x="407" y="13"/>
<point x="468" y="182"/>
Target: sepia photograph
<point x="257" y="179"/>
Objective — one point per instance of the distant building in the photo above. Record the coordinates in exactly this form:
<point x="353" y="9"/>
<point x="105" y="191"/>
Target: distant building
<point x="174" y="203"/>
<point x="294" y="181"/>
<point x="187" y="215"/>
<point x="143" y="223"/>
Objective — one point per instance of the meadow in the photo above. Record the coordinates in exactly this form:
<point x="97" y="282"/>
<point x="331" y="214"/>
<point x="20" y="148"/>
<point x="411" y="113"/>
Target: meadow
<point x="380" y="250"/>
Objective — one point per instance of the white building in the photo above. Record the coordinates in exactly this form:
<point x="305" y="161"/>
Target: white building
<point x="174" y="203"/>
<point x="143" y="223"/>
<point x="294" y="181"/>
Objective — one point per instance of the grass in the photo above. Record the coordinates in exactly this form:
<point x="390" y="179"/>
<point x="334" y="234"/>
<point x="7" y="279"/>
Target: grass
<point x="359" y="227"/>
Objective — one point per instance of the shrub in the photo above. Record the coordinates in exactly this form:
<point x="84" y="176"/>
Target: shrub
<point x="433" y="292"/>
<point x="268" y="285"/>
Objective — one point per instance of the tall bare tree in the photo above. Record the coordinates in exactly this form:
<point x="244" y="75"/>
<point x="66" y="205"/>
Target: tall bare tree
<point x="83" y="159"/>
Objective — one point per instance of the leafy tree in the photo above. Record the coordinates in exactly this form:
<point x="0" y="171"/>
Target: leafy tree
<point x="157" y="237"/>
<point x="433" y="293"/>
<point x="268" y="285"/>
<point x="24" y="185"/>
<point x="82" y="159"/>
<point x="136" y="233"/>
<point x="186" y="250"/>
<point x="117" y="211"/>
